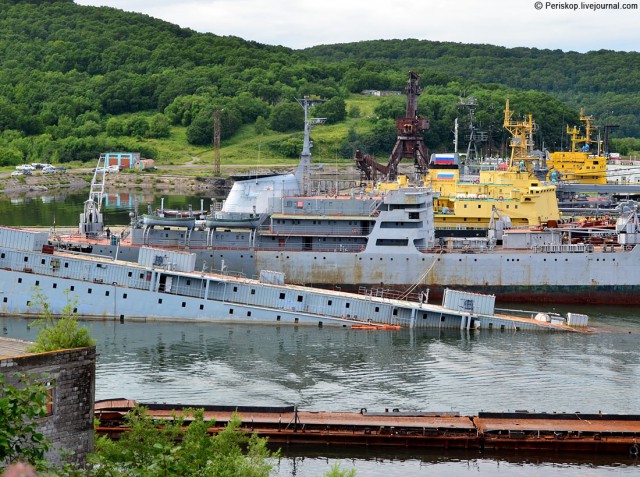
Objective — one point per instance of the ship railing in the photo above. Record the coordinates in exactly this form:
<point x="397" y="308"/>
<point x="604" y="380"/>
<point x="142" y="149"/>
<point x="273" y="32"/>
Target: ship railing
<point x="391" y="294"/>
<point x="184" y="290"/>
<point x="314" y="230"/>
<point x="300" y="247"/>
<point x="562" y="248"/>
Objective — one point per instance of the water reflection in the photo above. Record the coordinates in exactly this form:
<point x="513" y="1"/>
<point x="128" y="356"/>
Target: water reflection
<point x="63" y="210"/>
<point x="345" y="370"/>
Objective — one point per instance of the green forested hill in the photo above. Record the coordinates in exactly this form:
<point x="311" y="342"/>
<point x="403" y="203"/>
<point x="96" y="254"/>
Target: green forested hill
<point x="76" y="81"/>
<point x="606" y="83"/>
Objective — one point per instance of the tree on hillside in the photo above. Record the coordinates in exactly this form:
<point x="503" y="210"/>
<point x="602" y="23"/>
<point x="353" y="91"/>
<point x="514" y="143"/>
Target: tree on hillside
<point x="334" y="110"/>
<point x="286" y="116"/>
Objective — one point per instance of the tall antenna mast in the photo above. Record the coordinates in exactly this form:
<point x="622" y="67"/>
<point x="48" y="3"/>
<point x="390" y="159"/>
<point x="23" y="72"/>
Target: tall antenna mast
<point x="216" y="142"/>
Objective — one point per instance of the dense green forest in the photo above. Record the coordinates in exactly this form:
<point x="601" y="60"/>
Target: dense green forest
<point x="76" y="81"/>
<point x="606" y="83"/>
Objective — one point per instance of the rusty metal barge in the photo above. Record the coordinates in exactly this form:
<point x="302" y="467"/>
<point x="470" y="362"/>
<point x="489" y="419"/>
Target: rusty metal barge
<point x="519" y="431"/>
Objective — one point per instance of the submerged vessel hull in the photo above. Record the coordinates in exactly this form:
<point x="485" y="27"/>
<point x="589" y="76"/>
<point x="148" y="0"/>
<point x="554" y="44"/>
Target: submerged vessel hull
<point x="514" y="276"/>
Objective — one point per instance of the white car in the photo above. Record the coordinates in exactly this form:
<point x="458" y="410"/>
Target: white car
<point x="25" y="167"/>
<point x="48" y="169"/>
<point x="16" y="173"/>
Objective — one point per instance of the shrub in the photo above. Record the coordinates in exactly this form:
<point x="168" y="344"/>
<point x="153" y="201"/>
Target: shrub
<point x="64" y="333"/>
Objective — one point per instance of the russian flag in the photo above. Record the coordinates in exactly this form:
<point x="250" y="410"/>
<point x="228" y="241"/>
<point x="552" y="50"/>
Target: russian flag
<point x="445" y="176"/>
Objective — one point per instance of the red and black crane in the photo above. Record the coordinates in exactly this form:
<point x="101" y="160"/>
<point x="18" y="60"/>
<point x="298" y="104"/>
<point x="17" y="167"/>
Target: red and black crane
<point x="409" y="144"/>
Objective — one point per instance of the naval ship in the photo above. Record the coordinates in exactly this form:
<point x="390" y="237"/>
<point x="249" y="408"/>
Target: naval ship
<point x="381" y="241"/>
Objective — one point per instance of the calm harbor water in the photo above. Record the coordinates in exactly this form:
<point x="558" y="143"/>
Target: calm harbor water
<point x="346" y="370"/>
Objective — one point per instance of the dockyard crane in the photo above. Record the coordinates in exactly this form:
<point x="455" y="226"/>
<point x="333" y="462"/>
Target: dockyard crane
<point x="409" y="144"/>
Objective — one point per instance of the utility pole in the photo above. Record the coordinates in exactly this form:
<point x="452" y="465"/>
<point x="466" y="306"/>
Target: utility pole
<point x="216" y="143"/>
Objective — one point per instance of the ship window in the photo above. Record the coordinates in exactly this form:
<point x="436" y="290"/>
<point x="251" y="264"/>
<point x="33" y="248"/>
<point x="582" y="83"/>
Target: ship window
<point x="329" y="303"/>
<point x="248" y="313"/>
<point x="278" y="318"/>
<point x="299" y="298"/>
<point x="142" y="275"/>
<point x="377" y="309"/>
<point x="465" y="206"/>
<point x="55" y="285"/>
<point x="106" y="293"/>
<point x="442" y="318"/>
<point x="184" y="304"/>
<point x="129" y="274"/>
<point x="188" y="282"/>
<point x="282" y="295"/>
<point x="395" y="312"/>
<point x="159" y="301"/>
<point x="253" y="291"/>
<point x="42" y="261"/>
<point x="37" y="283"/>
<point x="202" y="307"/>
<point x="231" y="311"/>
<point x="72" y="288"/>
<point x="235" y="289"/>
<point x="347" y="305"/>
<point x="26" y="259"/>
<point x="89" y="290"/>
<point x="296" y="320"/>
<point x="479" y="206"/>
<point x="124" y="296"/>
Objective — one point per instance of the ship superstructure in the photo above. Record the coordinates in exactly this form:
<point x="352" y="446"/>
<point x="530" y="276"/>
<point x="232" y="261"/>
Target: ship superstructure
<point x="585" y="161"/>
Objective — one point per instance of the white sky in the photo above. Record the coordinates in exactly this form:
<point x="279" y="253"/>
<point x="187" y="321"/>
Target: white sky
<point x="303" y="23"/>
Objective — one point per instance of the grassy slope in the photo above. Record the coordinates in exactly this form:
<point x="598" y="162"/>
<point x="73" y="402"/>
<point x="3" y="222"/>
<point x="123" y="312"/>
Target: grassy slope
<point x="247" y="149"/>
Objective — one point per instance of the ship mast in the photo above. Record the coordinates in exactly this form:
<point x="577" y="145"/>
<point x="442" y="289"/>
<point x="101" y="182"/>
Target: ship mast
<point x="521" y="138"/>
<point x="586" y="140"/>
<point x="303" y="172"/>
